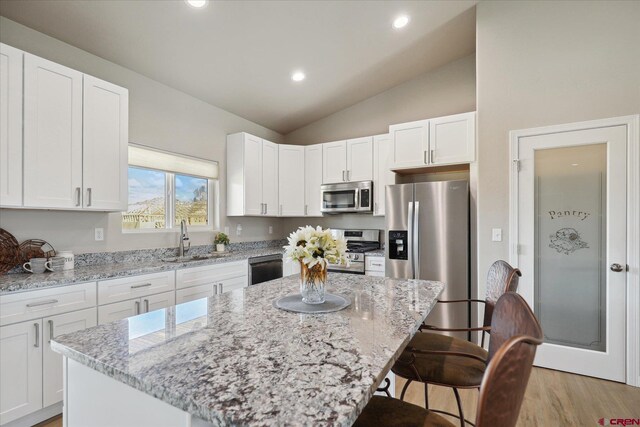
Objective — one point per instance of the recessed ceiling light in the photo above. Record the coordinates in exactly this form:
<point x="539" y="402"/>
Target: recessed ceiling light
<point x="400" y="22"/>
<point x="298" y="76"/>
<point x="198" y="4"/>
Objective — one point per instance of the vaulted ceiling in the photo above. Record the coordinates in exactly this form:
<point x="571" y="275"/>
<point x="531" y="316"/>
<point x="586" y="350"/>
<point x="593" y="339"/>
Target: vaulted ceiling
<point x="239" y="55"/>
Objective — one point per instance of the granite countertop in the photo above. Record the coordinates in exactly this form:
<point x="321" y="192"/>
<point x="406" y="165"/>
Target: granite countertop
<point x="234" y="359"/>
<point x="11" y="283"/>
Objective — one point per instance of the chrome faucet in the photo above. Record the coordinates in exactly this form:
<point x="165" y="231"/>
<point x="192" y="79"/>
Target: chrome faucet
<point x="184" y="236"/>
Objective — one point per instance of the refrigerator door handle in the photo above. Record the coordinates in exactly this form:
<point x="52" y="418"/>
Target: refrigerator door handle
<point x="416" y="241"/>
<point x="410" y="240"/>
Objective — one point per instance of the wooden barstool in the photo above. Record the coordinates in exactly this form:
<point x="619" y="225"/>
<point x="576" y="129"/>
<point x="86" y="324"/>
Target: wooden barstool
<point x="516" y="336"/>
<point x="432" y="358"/>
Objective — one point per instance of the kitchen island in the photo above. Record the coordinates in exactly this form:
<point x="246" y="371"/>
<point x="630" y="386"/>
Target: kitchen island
<point x="234" y="359"/>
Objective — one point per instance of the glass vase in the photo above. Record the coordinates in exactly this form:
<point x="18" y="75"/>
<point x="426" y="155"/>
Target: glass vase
<point x="312" y="283"/>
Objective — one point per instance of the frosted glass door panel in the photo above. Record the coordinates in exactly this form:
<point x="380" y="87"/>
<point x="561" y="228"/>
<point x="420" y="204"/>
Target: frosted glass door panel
<point x="570" y="245"/>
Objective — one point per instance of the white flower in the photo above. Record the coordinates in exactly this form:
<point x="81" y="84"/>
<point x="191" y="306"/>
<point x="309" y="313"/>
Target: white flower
<point x="314" y="246"/>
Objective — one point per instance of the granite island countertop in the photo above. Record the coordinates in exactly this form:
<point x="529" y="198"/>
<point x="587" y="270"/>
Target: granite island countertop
<point x="234" y="359"/>
<point x="10" y="283"/>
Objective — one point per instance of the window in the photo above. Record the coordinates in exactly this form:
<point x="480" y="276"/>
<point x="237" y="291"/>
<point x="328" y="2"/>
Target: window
<point x="166" y="188"/>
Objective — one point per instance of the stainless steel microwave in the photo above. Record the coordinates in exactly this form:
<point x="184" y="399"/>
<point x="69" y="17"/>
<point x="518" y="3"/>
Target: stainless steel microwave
<point x="347" y="197"/>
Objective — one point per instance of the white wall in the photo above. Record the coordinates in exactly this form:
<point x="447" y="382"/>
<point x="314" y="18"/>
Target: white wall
<point x="160" y="117"/>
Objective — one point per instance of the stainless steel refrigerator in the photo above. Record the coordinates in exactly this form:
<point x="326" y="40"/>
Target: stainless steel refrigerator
<point x="427" y="235"/>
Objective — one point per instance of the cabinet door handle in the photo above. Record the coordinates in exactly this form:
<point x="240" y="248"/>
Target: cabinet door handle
<point x="348" y="175"/>
<point x="280" y="210"/>
<point x="375" y="207"/>
<point x="50" y="322"/>
<point x="431" y="156"/>
<point x="343" y="176"/>
<point x="37" y="343"/>
<point x="78" y="195"/>
<point x="88" y="196"/>
<point x="306" y="210"/>
<point x="146" y="306"/>
<point x="424" y="158"/>
<point x="137" y="307"/>
<point x="220" y="289"/>
<point x="144" y="285"/>
<point x="266" y="208"/>
<point x="36" y="304"/>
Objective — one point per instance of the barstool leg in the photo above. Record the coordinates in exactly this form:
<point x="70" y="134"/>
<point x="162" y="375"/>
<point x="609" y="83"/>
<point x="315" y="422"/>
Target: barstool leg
<point x="404" y="389"/>
<point x="455" y="391"/>
<point x="426" y="396"/>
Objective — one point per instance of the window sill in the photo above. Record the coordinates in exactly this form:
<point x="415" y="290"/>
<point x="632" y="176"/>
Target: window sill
<point x="170" y="230"/>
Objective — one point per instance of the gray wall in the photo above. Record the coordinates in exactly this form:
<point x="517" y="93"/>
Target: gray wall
<point x="546" y="63"/>
<point x="159" y="117"/>
<point x="447" y="90"/>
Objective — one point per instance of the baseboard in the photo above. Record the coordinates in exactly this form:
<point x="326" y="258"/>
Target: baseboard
<point x="36" y="417"/>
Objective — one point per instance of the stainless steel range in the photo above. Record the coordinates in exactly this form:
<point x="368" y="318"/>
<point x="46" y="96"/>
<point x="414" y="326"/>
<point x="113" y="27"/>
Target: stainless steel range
<point x="358" y="242"/>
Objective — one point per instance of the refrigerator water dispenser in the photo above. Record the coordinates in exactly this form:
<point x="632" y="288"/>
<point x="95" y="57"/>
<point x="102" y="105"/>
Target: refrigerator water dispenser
<point x="398" y="244"/>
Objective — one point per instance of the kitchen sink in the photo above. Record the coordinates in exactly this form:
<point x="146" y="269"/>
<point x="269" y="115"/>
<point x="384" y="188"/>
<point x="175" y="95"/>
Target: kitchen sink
<point x="195" y="257"/>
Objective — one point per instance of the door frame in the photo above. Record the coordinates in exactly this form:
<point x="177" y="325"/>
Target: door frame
<point x="633" y="220"/>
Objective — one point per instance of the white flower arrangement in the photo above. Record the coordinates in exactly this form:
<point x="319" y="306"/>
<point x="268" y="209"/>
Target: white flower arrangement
<point x="315" y="246"/>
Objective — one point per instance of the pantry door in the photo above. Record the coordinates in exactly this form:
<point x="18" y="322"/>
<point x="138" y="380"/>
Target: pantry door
<point x="570" y="244"/>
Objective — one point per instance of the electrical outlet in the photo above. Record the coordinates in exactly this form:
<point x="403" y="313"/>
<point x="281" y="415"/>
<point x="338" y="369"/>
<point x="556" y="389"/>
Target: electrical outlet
<point x="99" y="234"/>
<point x="239" y="230"/>
<point x="226" y="230"/>
<point x="496" y="234"/>
<point x="271" y="229"/>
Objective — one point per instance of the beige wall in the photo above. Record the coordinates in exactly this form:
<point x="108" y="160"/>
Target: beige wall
<point x="545" y="63"/>
<point x="159" y="117"/>
<point x="449" y="89"/>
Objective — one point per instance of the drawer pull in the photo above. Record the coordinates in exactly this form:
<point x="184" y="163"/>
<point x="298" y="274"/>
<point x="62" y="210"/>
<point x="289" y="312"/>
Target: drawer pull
<point x="376" y="264"/>
<point x="144" y="285"/>
<point x="37" y="304"/>
<point x="137" y="307"/>
<point x="146" y="306"/>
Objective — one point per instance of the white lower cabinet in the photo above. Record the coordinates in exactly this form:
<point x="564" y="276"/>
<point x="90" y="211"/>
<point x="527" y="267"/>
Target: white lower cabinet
<point x="51" y="361"/>
<point x="123" y="309"/>
<point x="194" y="293"/>
<point x="374" y="266"/>
<point x="20" y="369"/>
<point x="30" y="372"/>
<point x="206" y="281"/>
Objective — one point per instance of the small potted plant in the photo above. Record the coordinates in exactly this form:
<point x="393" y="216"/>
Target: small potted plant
<point x="220" y="241"/>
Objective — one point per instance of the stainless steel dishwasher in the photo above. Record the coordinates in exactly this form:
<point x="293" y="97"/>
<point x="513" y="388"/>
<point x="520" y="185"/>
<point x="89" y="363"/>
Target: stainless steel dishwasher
<point x="265" y="268"/>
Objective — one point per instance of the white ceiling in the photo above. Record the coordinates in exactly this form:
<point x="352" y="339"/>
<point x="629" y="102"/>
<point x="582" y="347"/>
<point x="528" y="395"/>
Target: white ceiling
<point x="239" y="55"/>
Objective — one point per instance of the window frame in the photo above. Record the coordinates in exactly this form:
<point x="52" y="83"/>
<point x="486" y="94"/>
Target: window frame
<point x="213" y="216"/>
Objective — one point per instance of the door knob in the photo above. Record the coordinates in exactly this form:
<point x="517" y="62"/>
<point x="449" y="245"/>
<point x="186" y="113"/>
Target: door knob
<point x="616" y="267"/>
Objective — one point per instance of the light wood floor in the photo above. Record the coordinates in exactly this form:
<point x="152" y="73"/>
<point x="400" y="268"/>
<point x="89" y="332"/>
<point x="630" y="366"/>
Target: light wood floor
<point x="553" y="399"/>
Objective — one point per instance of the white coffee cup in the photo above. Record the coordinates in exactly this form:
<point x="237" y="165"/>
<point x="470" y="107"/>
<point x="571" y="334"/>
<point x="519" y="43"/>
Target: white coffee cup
<point x="37" y="265"/>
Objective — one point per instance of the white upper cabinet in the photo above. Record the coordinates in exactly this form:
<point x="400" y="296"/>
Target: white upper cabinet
<point x="63" y="136"/>
<point x="270" y="177"/>
<point x="291" y="186"/>
<point x="433" y="142"/>
<point x="452" y="139"/>
<point x="10" y="126"/>
<point x="252" y="176"/>
<point x="360" y="159"/>
<point x="105" y="140"/>
<point x="344" y="161"/>
<point x="410" y="144"/>
<point x="382" y="175"/>
<point x="334" y="162"/>
<point x="52" y="135"/>
<point x="312" y="179"/>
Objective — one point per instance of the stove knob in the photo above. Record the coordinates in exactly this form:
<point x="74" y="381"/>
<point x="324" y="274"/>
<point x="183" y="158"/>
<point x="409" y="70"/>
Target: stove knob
<point x="355" y="257"/>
